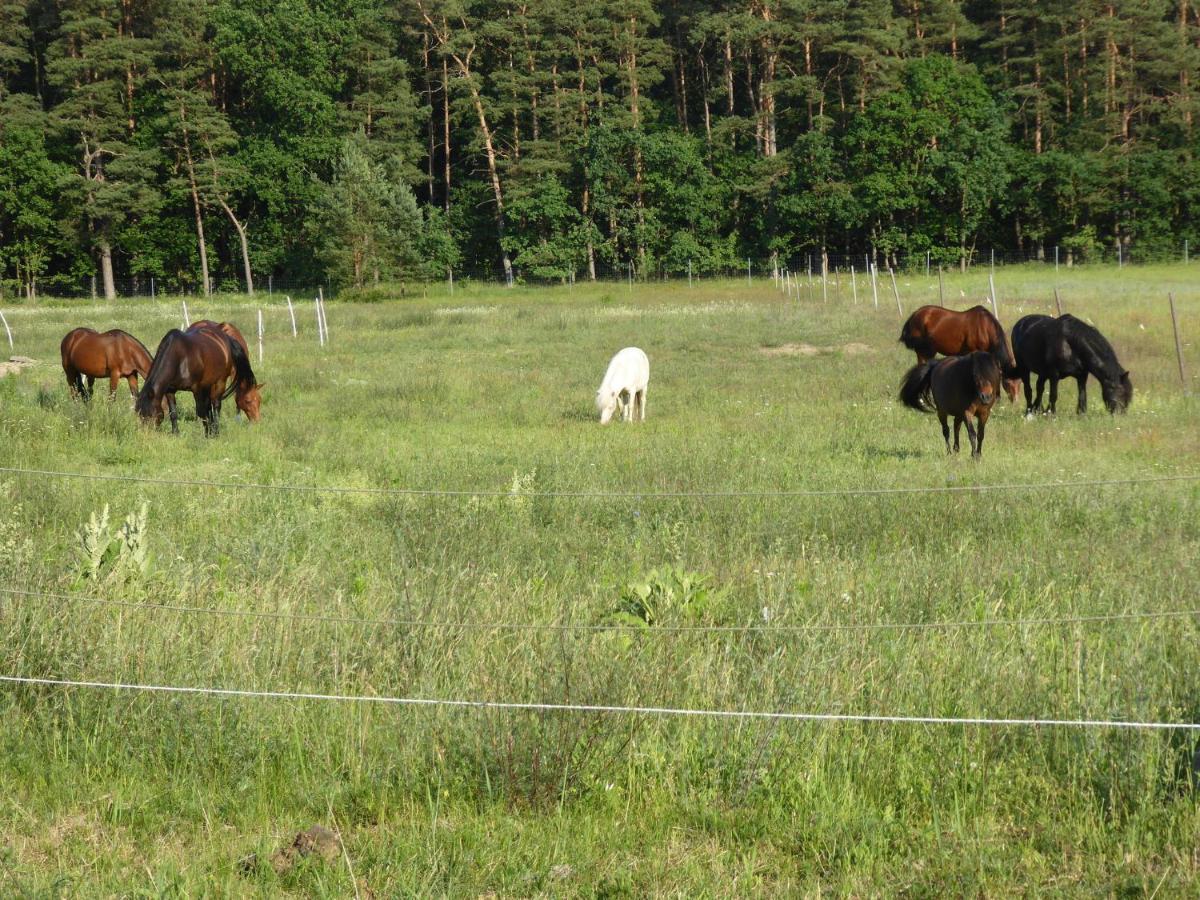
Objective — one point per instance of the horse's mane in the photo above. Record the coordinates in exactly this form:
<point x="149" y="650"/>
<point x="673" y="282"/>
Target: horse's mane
<point x="986" y="366"/>
<point x="155" y="375"/>
<point x="1091" y="347"/>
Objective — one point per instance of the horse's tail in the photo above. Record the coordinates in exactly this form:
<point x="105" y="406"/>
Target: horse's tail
<point x="241" y="365"/>
<point x="907" y="338"/>
<point x="914" y="387"/>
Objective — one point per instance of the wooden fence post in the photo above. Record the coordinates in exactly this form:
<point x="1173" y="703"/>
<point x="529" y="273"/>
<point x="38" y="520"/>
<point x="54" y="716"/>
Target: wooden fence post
<point x="1178" y="345"/>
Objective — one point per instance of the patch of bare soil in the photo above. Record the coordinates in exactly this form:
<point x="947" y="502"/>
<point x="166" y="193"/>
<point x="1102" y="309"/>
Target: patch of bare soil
<point x="317" y="840"/>
<point x="851" y="349"/>
<point x="15" y="364"/>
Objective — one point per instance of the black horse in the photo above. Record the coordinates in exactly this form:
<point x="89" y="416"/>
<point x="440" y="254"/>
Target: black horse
<point x="1068" y="348"/>
<point x="960" y="386"/>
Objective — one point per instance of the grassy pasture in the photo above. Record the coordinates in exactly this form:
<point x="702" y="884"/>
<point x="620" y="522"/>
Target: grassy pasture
<point x="120" y="794"/>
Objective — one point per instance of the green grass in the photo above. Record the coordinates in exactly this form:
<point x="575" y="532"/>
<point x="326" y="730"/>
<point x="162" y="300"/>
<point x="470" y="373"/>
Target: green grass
<point x="105" y="793"/>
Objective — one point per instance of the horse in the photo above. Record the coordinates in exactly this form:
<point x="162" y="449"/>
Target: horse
<point x="1068" y="348"/>
<point x="249" y="403"/>
<point x="933" y="329"/>
<point x="208" y="363"/>
<point x="624" y="385"/>
<point x="228" y="327"/>
<point x="960" y="386"/>
<point x="114" y="355"/>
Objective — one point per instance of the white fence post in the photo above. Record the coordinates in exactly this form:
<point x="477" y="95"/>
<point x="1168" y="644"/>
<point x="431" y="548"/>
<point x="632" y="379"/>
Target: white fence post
<point x="292" y="313"/>
<point x="896" y="291"/>
<point x="320" y="327"/>
<point x="187" y="322"/>
<point x="260" y="335"/>
<point x="7" y="330"/>
<point x="854" y="285"/>
<point x="874" y="283"/>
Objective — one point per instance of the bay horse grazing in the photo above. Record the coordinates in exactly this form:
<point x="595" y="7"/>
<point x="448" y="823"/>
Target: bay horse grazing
<point x="934" y="329"/>
<point x="113" y="355"/>
<point x="249" y="402"/>
<point x="960" y="386"/>
<point x="208" y="363"/>
<point x="624" y="385"/>
<point x="1067" y="347"/>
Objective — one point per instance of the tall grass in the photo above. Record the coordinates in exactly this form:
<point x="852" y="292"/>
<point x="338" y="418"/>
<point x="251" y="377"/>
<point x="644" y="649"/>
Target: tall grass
<point x="113" y="793"/>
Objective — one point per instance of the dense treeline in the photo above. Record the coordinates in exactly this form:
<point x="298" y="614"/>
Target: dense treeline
<point x="353" y="140"/>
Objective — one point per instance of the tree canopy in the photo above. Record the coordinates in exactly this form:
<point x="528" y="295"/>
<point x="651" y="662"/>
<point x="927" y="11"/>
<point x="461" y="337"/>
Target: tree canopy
<point x="213" y="142"/>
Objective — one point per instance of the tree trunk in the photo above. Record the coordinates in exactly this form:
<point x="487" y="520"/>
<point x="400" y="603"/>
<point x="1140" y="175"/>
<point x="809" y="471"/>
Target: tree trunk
<point x="245" y="245"/>
<point x="446" y="135"/>
<point x="106" y="270"/>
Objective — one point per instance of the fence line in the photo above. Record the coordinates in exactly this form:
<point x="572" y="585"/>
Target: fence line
<point x="1142" y="615"/>
<point x="605" y="708"/>
<point x="610" y="495"/>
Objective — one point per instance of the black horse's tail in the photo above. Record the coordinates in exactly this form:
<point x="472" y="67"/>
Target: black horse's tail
<point x="914" y="387"/>
<point x="241" y="364"/>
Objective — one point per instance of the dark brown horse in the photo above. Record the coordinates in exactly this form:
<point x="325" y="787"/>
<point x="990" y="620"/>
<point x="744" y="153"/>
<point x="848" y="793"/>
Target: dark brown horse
<point x="933" y="329"/>
<point x="113" y="355"/>
<point x="208" y="363"/>
<point x="960" y="386"/>
<point x="249" y="403"/>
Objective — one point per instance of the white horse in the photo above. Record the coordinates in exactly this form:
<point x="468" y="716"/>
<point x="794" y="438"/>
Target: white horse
<point x="624" y="385"/>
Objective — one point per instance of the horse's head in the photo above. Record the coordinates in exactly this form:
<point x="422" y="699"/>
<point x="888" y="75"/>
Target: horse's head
<point x="249" y="401"/>
<point x="147" y="409"/>
<point x="986" y="373"/>
<point x="606" y="403"/>
<point x="1011" y="387"/>
<point x="1117" y="394"/>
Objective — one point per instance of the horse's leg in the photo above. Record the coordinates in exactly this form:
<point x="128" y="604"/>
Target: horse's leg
<point x="74" y="383"/>
<point x="204" y="412"/>
<point x="1053" y="393"/>
<point x="945" y="431"/>
<point x="983" y="417"/>
<point x="1041" y="386"/>
<point x="642" y="403"/>
<point x="971" y="436"/>
<point x="958" y="420"/>
<point x="1081" y="408"/>
<point x="133" y="384"/>
<point x="174" y="413"/>
<point x="215" y="412"/>
<point x="1028" y="393"/>
<point x="114" y="379"/>
<point x="87" y="393"/>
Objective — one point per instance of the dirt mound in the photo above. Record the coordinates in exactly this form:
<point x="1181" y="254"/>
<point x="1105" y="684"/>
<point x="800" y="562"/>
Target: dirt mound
<point x="15" y="364"/>
<point x="851" y="349"/>
<point x="316" y="840"/>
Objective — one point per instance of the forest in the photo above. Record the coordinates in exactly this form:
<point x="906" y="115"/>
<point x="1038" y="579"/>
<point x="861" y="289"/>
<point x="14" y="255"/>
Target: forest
<point x="231" y="144"/>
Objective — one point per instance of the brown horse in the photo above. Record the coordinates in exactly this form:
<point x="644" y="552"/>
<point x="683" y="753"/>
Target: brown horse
<point x="206" y="362"/>
<point x="113" y="355"/>
<point x="961" y="386"/>
<point x="228" y="327"/>
<point x="249" y="403"/>
<point x="933" y="329"/>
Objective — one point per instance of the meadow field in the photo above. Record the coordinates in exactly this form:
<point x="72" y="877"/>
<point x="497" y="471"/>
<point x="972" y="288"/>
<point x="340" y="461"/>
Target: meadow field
<point x="715" y="558"/>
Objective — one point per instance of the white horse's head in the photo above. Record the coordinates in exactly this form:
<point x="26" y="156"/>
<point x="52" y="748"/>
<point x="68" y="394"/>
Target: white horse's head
<point x="606" y="403"/>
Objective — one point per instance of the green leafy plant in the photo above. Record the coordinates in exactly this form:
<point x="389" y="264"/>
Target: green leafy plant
<point x="665" y="594"/>
<point x="113" y="554"/>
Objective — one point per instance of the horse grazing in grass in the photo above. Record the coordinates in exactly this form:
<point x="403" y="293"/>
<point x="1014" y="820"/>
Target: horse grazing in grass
<point x="206" y="362"/>
<point x="960" y="386"/>
<point x="1068" y="348"/>
<point x="624" y="385"/>
<point x="249" y="403"/>
<point x="113" y="355"/>
<point x="933" y="329"/>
